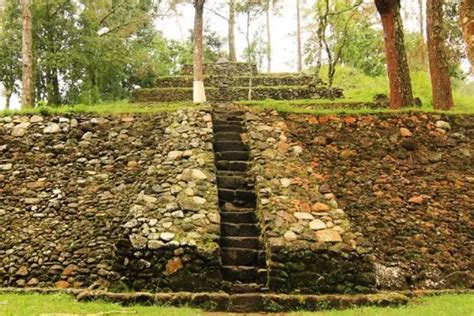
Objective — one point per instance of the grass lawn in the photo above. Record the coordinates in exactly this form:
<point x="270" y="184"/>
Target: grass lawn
<point x="447" y="305"/>
<point x="359" y="87"/>
<point x="35" y="304"/>
<point x="29" y="305"/>
<point x="118" y="107"/>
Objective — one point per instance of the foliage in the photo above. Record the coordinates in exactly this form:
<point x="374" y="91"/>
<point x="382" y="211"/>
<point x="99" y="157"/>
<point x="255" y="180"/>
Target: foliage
<point x="365" y="49"/>
<point x="10" y="50"/>
<point x="333" y="22"/>
<point x="455" y="42"/>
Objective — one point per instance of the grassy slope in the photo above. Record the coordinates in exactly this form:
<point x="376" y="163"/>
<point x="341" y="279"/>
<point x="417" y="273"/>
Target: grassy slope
<point x="29" y="305"/>
<point x="362" y="88"/>
<point x="448" y="305"/>
<point x="120" y="107"/>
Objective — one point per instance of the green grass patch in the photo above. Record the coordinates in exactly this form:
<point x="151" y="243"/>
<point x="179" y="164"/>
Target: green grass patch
<point x="359" y="87"/>
<point x="447" y="305"/>
<point x="119" y="107"/>
<point x="35" y="304"/>
<point x="304" y="107"/>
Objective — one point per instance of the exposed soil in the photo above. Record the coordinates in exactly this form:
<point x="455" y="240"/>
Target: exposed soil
<point x="406" y="184"/>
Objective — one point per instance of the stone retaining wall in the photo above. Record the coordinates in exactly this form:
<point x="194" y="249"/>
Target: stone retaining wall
<point x="310" y="243"/>
<point x="239" y="81"/>
<point x="129" y="202"/>
<point x="223" y="69"/>
<point x="235" y="93"/>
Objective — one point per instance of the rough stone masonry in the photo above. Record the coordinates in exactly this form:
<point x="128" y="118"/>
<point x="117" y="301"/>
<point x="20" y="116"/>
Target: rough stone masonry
<point x="130" y="202"/>
<point x="118" y="200"/>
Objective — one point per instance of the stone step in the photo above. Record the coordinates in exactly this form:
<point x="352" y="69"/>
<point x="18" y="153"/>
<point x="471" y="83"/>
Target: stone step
<point x="227" y="136"/>
<point x="239" y="217"/>
<point x="238" y="196"/>
<point x="230" y="146"/>
<point x="241" y="273"/>
<point x="226" y="165"/>
<point x="239" y="230"/>
<point x="217" y="119"/>
<point x="227" y="128"/>
<point x="239" y="257"/>
<point x="228" y="122"/>
<point x="240" y="242"/>
<point x="231" y="207"/>
<point x="227" y="112"/>
<point x="232" y="173"/>
<point x="233" y="155"/>
<point x="239" y="288"/>
<point x="234" y="182"/>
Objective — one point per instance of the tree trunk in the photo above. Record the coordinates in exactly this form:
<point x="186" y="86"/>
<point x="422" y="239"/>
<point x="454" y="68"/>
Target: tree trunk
<point x="298" y="35"/>
<point x="269" y="41"/>
<point x="249" y="57"/>
<point x="467" y="18"/>
<point x="439" y="69"/>
<point x="422" y="32"/>
<point x="422" y="20"/>
<point x="27" y="55"/>
<point x="8" y="96"/>
<point x="57" y="94"/>
<point x="401" y="93"/>
<point x="54" y="97"/>
<point x="199" y="94"/>
<point x="231" y="34"/>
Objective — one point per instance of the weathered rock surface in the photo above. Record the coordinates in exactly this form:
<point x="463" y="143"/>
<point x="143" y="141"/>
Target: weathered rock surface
<point x="411" y="194"/>
<point x="85" y="199"/>
<point x="310" y="243"/>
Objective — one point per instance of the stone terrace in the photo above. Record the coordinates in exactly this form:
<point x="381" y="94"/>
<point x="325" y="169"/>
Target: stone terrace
<point x="231" y="81"/>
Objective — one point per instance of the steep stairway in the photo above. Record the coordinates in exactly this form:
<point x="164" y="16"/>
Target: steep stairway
<point x="243" y="259"/>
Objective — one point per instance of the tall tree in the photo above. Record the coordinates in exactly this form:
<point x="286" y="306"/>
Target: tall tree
<point x="421" y="19"/>
<point x="27" y="55"/>
<point x="439" y="68"/>
<point x="401" y="93"/>
<point x="298" y="35"/>
<point x="467" y="19"/>
<point x="199" y="94"/>
<point x="422" y="49"/>
<point x="269" y="36"/>
<point x="231" y="32"/>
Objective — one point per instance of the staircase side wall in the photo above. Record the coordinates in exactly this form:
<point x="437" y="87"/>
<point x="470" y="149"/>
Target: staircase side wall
<point x="310" y="245"/>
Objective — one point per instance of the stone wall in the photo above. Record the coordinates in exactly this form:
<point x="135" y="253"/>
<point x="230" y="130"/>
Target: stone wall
<point x="228" y="82"/>
<point x="223" y="69"/>
<point x="407" y="183"/>
<point x="122" y="201"/>
<point x="235" y="93"/>
<point x="311" y="245"/>
<point x="240" y="81"/>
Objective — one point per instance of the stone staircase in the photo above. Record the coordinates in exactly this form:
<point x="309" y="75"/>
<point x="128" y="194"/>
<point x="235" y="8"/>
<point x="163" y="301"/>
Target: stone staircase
<point x="243" y="259"/>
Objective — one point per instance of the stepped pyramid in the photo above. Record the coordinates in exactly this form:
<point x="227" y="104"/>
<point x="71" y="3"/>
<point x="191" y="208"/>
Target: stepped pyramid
<point x="226" y="82"/>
